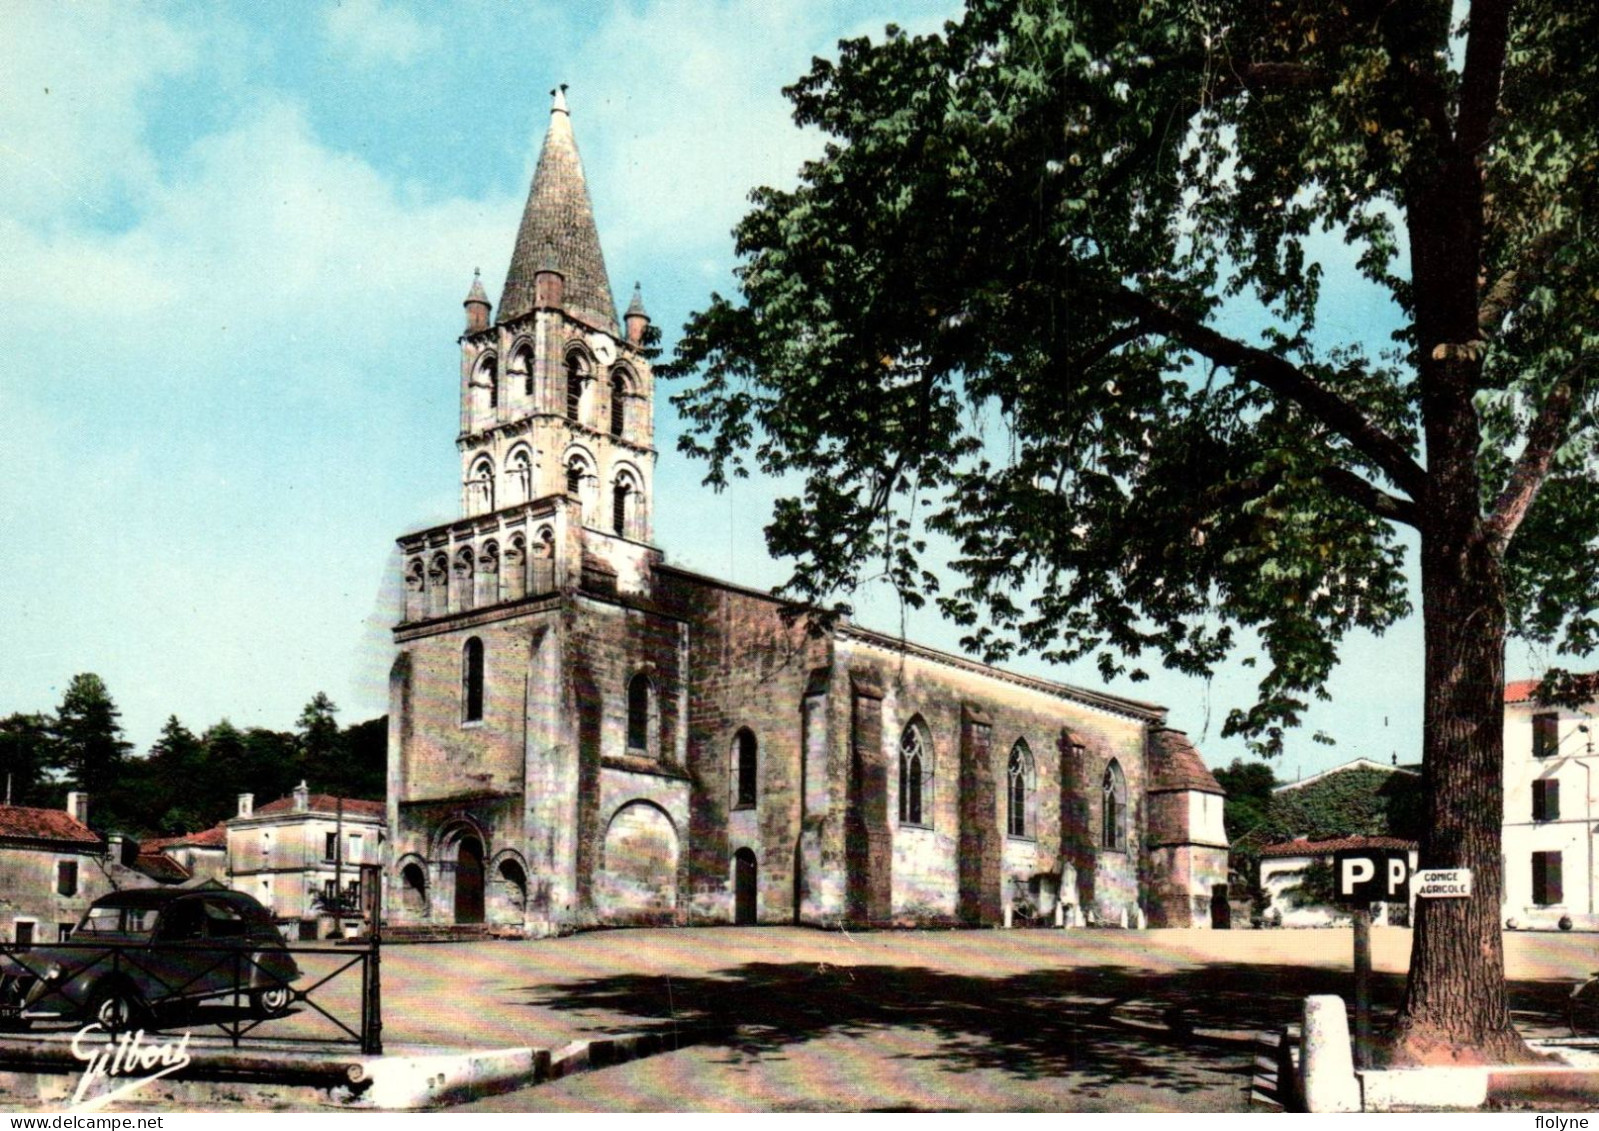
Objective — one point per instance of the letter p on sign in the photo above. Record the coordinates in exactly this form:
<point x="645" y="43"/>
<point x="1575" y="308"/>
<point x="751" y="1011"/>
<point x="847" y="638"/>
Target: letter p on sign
<point x="1353" y="872"/>
<point x="1367" y="875"/>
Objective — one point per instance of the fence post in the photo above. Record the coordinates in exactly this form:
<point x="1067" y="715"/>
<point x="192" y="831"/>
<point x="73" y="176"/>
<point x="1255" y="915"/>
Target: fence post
<point x="372" y="968"/>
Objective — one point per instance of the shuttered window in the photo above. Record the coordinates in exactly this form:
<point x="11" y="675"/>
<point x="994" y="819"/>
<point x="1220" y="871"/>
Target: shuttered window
<point x="1546" y="800"/>
<point x="1546" y="878"/>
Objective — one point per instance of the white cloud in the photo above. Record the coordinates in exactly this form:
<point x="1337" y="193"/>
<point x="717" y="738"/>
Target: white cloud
<point x="372" y="33"/>
<point x="72" y="122"/>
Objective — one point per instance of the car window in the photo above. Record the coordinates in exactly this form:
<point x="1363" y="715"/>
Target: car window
<point x="223" y="921"/>
<point x="139" y="920"/>
<point x="182" y="922"/>
<point x="99" y="920"/>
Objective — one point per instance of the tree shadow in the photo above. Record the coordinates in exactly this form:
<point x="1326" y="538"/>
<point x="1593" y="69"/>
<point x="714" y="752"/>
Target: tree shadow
<point x="1102" y="1024"/>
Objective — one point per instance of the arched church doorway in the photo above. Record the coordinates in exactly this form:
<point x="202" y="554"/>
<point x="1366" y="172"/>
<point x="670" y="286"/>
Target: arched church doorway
<point x="469" y="880"/>
<point x="744" y="887"/>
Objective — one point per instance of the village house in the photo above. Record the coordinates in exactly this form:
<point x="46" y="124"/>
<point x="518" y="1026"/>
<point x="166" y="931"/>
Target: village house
<point x="582" y="733"/>
<point x="303" y="857"/>
<point x="1551" y="816"/>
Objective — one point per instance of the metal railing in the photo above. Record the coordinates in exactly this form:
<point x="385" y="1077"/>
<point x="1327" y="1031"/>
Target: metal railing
<point x="282" y="995"/>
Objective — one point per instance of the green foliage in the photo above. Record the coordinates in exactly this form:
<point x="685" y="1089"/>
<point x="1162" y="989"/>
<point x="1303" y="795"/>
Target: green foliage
<point x="185" y="783"/>
<point x="1249" y="792"/>
<point x="24" y="754"/>
<point x="1005" y="304"/>
<point x="1316" y="886"/>
<point x="1356" y="802"/>
<point x="86" y="737"/>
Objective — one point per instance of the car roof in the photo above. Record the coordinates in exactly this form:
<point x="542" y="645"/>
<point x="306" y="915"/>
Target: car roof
<point x="160" y="897"/>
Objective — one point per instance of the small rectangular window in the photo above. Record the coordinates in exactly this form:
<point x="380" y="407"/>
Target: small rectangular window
<point x="1545" y="734"/>
<point x="330" y="846"/>
<point x="66" y="877"/>
<point x="24" y="933"/>
<point x="63" y="932"/>
<point x="1546" y="889"/>
<point x="1546" y="800"/>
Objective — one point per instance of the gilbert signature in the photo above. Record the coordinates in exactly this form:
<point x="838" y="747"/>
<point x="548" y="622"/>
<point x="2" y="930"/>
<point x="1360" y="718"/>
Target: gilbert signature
<point x="126" y="1057"/>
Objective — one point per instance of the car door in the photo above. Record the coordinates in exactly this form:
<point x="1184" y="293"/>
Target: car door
<point x="227" y="937"/>
<point x="176" y="964"/>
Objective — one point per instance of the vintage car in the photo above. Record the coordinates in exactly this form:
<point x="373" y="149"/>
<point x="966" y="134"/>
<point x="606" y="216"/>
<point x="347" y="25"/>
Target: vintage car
<point x="152" y="950"/>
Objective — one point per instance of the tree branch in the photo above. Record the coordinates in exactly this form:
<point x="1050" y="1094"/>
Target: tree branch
<point x="1286" y="380"/>
<point x="1507" y="290"/>
<point x="1342" y="481"/>
<point x="1485" y="65"/>
<point x="1544" y="438"/>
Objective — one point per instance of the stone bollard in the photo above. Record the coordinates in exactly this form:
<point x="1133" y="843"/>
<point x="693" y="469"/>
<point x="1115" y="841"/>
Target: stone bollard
<point x="1326" y="1059"/>
<point x="1007" y="916"/>
<point x="1060" y="914"/>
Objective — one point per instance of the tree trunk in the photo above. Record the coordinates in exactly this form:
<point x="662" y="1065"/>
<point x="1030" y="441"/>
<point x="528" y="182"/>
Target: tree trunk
<point x="1455" y="1009"/>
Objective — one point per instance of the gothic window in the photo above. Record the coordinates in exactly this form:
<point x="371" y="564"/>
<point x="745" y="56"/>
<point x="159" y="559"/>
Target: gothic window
<point x="416" y="590"/>
<point x="574" y="477"/>
<point x="464" y="577"/>
<point x="472" y="681"/>
<point x="915" y="778"/>
<point x="618" y="402"/>
<point x="521" y="365"/>
<point x="576" y="373"/>
<point x="744" y="778"/>
<point x="491" y="374"/>
<point x="638" y="713"/>
<point x="1019" y="791"/>
<point x="621" y="503"/>
<point x="480" y="487"/>
<point x="439" y="585"/>
<point x="521" y="475"/>
<point x="1113" y="791"/>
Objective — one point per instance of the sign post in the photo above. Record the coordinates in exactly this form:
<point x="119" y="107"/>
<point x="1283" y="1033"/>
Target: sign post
<point x="1363" y="875"/>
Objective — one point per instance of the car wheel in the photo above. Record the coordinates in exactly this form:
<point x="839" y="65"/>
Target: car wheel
<point x="273" y="1002"/>
<point x="115" y="1008"/>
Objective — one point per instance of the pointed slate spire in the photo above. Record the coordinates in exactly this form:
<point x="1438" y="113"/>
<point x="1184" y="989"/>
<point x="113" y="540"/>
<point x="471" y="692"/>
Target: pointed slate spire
<point x="477" y="305"/>
<point x="558" y="232"/>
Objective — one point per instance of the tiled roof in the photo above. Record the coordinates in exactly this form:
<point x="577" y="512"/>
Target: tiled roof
<point x="161" y="868"/>
<point x="558" y="232"/>
<point x="326" y="803"/>
<point x="1328" y="847"/>
<point x="43" y="824"/>
<point x="214" y="837"/>
<point x="1524" y="690"/>
<point x="1175" y="764"/>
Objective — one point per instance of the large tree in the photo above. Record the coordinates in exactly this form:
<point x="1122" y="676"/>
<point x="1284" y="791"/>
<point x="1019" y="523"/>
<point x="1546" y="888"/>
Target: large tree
<point x="1053" y="288"/>
<point x="87" y="745"/>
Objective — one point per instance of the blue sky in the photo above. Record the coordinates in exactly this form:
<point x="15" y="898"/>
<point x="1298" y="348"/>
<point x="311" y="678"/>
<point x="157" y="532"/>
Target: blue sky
<point x="235" y="243"/>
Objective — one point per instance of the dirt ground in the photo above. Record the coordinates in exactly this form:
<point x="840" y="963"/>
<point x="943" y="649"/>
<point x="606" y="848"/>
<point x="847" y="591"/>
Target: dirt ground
<point x="787" y="1019"/>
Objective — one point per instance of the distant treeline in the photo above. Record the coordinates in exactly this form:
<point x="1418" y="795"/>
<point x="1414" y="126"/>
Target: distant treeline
<point x="185" y="782"/>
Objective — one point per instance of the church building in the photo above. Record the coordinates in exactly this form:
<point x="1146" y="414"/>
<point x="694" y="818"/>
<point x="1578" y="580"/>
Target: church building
<point x="583" y="734"/>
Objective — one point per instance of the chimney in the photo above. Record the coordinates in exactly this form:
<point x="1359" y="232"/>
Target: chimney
<point x="246" y="804"/>
<point x="114" y="847"/>
<point x="78" y="806"/>
<point x="302" y="797"/>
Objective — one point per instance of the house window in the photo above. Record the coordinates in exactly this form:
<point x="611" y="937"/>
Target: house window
<point x="638" y="713"/>
<point x="1546" y="800"/>
<point x="330" y="846"/>
<point x="744" y="757"/>
<point x="1113" y="792"/>
<point x="1018" y="792"/>
<point x="472" y="681"/>
<point x="66" y="877"/>
<point x="915" y="802"/>
<point x="23" y="929"/>
<point x="1545" y="734"/>
<point x="1546" y="878"/>
<point x="63" y="932"/>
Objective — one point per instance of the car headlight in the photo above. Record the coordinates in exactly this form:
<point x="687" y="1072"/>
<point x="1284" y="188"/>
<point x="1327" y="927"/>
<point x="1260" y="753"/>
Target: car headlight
<point x="53" y="975"/>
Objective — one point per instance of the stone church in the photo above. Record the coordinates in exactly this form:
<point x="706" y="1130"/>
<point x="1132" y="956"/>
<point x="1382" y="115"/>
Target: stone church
<point x="582" y="733"/>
